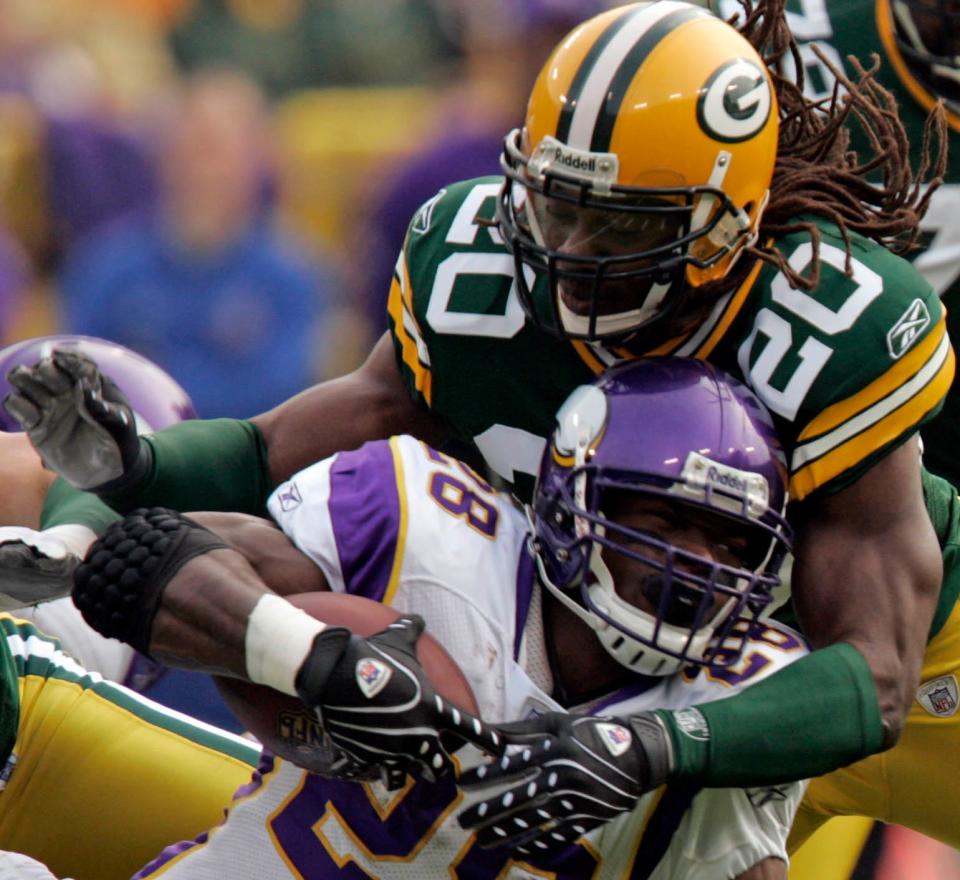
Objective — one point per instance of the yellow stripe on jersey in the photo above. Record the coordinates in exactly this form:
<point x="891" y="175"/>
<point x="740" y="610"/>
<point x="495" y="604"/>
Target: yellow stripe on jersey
<point x="651" y="808"/>
<point x="403" y="508"/>
<point x="729" y="313"/>
<point x="897" y="376"/>
<point x="818" y="461"/>
<point x="668" y="347"/>
<point x="413" y="351"/>
<point x="596" y="365"/>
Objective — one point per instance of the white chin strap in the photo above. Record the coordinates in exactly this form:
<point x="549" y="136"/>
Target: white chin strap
<point x="626" y="650"/>
<point x="630" y="652"/>
<point x="618" y="322"/>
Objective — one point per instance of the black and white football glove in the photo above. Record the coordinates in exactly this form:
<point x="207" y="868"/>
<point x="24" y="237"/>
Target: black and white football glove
<point x="377" y="706"/>
<point x="563" y="775"/>
<point x="78" y="420"/>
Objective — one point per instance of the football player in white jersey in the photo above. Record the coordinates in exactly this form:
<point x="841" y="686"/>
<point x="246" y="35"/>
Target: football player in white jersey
<point x="637" y="582"/>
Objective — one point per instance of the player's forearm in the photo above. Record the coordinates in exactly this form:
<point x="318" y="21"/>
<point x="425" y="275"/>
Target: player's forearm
<point x="201" y="618"/>
<point x="64" y="505"/>
<point x="818" y="714"/>
<point x="889" y="626"/>
<point x="881" y="597"/>
<point x="227" y="464"/>
<point x="370" y="403"/>
<point x="218" y="464"/>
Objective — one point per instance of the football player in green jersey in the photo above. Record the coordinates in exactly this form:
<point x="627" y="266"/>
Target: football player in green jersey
<point x="919" y="45"/>
<point x="666" y="194"/>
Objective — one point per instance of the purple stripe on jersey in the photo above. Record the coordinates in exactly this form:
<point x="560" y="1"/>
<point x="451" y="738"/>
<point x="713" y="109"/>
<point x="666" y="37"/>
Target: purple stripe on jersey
<point x="640" y="685"/>
<point x="143" y="673"/>
<point x="525" y="584"/>
<point x="365" y="514"/>
<point x="171" y="852"/>
<point x="662" y="825"/>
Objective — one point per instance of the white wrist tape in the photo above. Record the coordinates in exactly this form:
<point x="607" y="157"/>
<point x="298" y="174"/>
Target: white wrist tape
<point x="279" y="637"/>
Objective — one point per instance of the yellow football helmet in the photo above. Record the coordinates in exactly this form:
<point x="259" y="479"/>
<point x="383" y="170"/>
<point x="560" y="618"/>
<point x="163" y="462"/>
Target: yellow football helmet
<point x="922" y="41"/>
<point x="642" y="170"/>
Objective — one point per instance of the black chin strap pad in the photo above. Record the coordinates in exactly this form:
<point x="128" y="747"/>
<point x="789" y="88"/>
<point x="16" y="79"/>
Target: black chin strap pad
<point x="118" y="585"/>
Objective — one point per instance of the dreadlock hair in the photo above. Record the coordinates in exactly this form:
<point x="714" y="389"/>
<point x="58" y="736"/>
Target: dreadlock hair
<point x="878" y="195"/>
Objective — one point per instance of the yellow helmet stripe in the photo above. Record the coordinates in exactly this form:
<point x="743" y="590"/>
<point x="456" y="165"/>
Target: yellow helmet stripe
<point x="599" y="86"/>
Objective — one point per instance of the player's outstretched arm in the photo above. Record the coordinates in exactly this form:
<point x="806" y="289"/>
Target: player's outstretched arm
<point x="370" y="403"/>
<point x="83" y="428"/>
<point x="175" y="591"/>
<point x="868" y="573"/>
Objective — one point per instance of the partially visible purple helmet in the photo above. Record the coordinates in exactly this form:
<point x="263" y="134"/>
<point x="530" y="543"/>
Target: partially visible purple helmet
<point x="679" y="430"/>
<point x="156" y="398"/>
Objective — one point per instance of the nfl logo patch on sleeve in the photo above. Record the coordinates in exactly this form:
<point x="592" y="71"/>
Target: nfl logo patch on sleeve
<point x="939" y="696"/>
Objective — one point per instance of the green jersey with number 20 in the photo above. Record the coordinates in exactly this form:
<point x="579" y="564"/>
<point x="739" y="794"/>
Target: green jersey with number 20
<point x="838" y="29"/>
<point x="848" y="370"/>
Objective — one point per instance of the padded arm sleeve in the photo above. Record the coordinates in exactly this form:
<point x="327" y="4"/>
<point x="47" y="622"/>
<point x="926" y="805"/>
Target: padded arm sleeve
<point x="208" y="464"/>
<point x="817" y="715"/>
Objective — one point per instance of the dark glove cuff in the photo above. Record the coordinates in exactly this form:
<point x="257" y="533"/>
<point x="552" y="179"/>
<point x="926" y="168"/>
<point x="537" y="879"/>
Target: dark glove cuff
<point x="654" y="741"/>
<point x="328" y="648"/>
<point x="118" y="585"/>
<point x="133" y="474"/>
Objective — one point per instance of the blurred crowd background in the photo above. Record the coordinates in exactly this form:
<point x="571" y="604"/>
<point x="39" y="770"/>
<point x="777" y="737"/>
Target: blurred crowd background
<point x="224" y="185"/>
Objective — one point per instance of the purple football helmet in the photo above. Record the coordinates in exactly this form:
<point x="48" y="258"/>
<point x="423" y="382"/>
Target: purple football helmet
<point x="683" y="431"/>
<point x="156" y="398"/>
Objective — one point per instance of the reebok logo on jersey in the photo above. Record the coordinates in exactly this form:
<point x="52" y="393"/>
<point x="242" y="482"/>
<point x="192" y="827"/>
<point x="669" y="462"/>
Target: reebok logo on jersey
<point x="615" y="737"/>
<point x="424" y="217"/>
<point x="907" y="330"/>
<point x="289" y="497"/>
<point x="939" y="696"/>
<point x="372" y="676"/>
<point x="760" y="797"/>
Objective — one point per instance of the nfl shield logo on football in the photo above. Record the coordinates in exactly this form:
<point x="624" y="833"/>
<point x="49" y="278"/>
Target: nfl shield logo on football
<point x="939" y="696"/>
<point x="372" y="676"/>
<point x="615" y="737"/>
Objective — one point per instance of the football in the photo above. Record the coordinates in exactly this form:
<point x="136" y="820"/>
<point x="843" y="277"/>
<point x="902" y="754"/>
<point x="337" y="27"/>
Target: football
<point x="287" y="726"/>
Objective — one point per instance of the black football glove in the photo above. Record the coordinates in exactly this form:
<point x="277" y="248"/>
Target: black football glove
<point x="378" y="707"/>
<point x="563" y="775"/>
<point x="78" y="420"/>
